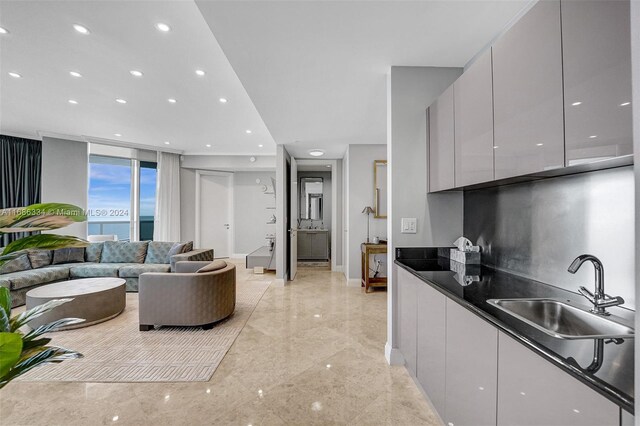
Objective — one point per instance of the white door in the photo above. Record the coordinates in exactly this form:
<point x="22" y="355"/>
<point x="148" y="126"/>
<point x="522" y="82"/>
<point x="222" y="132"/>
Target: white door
<point x="214" y="213"/>
<point x="293" y="232"/>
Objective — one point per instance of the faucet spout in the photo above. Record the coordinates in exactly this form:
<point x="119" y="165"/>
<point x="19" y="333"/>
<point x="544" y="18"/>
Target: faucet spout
<point x="599" y="298"/>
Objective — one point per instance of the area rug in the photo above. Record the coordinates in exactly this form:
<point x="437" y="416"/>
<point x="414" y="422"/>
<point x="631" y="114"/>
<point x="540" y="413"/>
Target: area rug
<point x="116" y="351"/>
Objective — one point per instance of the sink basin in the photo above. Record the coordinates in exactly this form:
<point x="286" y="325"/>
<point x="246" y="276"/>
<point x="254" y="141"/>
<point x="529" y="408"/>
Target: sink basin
<point x="561" y="320"/>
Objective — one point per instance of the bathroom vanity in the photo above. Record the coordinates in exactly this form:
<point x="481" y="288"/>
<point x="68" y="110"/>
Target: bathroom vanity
<point x="313" y="244"/>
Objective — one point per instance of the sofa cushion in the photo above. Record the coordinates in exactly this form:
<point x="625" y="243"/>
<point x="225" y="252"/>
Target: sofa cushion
<point x="134" y="271"/>
<point x="124" y="252"/>
<point x="90" y="270"/>
<point x="93" y="252"/>
<point x="32" y="277"/>
<point x="158" y="252"/>
<point x="188" y="247"/>
<point x="40" y="258"/>
<point x="213" y="266"/>
<point x="68" y="255"/>
<point x="20" y="263"/>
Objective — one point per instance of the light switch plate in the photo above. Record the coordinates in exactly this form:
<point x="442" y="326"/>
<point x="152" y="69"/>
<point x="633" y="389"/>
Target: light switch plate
<point x="408" y="225"/>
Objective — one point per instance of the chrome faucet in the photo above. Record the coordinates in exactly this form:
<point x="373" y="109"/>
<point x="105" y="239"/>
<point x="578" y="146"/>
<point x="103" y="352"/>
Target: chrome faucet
<point x="599" y="299"/>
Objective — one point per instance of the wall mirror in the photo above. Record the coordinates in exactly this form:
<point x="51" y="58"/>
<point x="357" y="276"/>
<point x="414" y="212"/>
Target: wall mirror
<point x="310" y="198"/>
<point x="380" y="188"/>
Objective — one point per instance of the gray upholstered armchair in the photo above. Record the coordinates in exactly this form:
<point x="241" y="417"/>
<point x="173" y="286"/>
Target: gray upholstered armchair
<point x="187" y="297"/>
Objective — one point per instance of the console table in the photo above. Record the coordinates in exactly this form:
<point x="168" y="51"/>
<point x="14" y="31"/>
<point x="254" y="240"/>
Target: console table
<point x="368" y="249"/>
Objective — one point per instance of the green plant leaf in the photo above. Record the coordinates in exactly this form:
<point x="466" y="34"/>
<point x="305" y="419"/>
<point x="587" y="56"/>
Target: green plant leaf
<point x="5" y="301"/>
<point x="40" y="217"/>
<point x="31" y="344"/>
<point x="48" y="354"/>
<point x="45" y="242"/>
<point x="22" y="319"/>
<point x="4" y="322"/>
<point x="10" y="350"/>
<point x="50" y="327"/>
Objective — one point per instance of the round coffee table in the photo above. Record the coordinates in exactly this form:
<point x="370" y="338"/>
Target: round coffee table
<point x="94" y="299"/>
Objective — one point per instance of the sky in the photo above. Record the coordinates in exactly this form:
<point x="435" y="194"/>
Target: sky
<point x="110" y="192"/>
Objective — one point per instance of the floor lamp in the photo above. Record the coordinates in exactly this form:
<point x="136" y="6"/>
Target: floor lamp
<point x="368" y="210"/>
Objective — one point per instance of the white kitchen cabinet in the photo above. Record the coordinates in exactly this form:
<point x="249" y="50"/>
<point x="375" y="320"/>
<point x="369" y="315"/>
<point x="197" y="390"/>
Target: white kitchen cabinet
<point x="441" y="143"/>
<point x="528" y="97"/>
<point x="471" y="368"/>
<point x="473" y="106"/>
<point x="531" y="391"/>
<point x="596" y="50"/>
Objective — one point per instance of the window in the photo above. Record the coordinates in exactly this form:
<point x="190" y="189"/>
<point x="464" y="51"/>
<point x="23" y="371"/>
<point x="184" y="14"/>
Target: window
<point x="112" y="197"/>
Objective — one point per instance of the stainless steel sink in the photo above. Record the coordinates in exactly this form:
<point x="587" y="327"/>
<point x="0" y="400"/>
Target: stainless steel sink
<point x="561" y="320"/>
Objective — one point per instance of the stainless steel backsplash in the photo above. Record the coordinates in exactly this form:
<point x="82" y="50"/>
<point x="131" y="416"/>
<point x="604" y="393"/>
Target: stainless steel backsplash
<point x="536" y="229"/>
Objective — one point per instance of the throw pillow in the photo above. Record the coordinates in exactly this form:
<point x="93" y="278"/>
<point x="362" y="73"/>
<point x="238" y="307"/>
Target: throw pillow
<point x="40" y="258"/>
<point x="177" y="248"/>
<point x="158" y="252"/>
<point x="188" y="247"/>
<point x="68" y="255"/>
<point x="124" y="252"/>
<point x="213" y="266"/>
<point x="93" y="252"/>
<point x="20" y="263"/>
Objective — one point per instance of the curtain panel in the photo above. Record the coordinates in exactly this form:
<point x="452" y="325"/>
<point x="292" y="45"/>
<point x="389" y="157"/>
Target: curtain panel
<point x="20" y="176"/>
<point x="167" y="220"/>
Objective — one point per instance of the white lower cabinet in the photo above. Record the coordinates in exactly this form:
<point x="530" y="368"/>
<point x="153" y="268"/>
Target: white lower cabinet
<point x="531" y="391"/>
<point x="471" y="368"/>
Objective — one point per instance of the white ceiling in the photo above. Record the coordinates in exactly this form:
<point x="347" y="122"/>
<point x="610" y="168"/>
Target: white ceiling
<point x="43" y="47"/>
<point x="316" y="70"/>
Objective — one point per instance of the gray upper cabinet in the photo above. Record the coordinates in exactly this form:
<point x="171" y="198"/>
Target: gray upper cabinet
<point x="471" y="370"/>
<point x="431" y="334"/>
<point x="441" y="143"/>
<point x="407" y="310"/>
<point x="597" y="80"/>
<point x="531" y="391"/>
<point x="474" y="124"/>
<point x="527" y="88"/>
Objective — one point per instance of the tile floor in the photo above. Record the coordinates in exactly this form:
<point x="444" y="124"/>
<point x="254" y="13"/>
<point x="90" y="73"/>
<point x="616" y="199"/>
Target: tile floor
<point x="311" y="353"/>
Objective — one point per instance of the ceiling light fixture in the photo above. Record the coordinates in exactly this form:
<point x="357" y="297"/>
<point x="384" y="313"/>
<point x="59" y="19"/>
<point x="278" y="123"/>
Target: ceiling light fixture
<point x="121" y="101"/>
<point x="167" y="143"/>
<point x="625" y="103"/>
<point x="81" y="29"/>
<point x="4" y="30"/>
<point x="136" y="73"/>
<point x="223" y="100"/>
<point x="117" y="134"/>
<point x="576" y="103"/>
<point x="208" y="145"/>
<point x="328" y="166"/>
<point x="200" y="73"/>
<point x="593" y="136"/>
<point x="248" y="131"/>
<point x="539" y="144"/>
<point x="316" y="153"/>
<point x="163" y="27"/>
<point x="171" y="101"/>
<point x="260" y="146"/>
<point x="72" y="101"/>
<point x="75" y="74"/>
<point x="15" y="75"/>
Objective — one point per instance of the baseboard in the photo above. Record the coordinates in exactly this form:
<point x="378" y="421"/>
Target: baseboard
<point x="354" y="282"/>
<point x="337" y="268"/>
<point x="278" y="282"/>
<point x="393" y="355"/>
<point x="238" y="256"/>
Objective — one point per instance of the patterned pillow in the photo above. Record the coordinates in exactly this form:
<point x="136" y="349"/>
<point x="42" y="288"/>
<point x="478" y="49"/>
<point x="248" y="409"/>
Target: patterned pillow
<point x="40" y="258"/>
<point x="93" y="252"/>
<point x="20" y="263"/>
<point x="213" y="266"/>
<point x="158" y="252"/>
<point x="68" y="255"/>
<point x="188" y="247"/>
<point x="177" y="248"/>
<point x="124" y="252"/>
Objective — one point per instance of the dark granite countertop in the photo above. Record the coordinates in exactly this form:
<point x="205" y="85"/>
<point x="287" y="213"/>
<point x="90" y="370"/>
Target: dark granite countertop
<point x="614" y="378"/>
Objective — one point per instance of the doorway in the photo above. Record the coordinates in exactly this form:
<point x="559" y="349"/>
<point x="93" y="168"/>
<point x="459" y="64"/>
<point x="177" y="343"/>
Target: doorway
<point x="214" y="212"/>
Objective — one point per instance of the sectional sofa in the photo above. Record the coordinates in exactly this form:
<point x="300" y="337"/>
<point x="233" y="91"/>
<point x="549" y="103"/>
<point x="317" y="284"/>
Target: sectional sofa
<point x="126" y="260"/>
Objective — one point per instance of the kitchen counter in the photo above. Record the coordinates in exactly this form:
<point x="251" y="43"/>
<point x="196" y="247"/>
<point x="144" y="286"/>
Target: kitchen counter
<point x="613" y="379"/>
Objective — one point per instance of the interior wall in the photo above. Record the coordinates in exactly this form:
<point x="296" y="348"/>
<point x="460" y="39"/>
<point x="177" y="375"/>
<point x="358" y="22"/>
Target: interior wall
<point x="250" y="211"/>
<point x="187" y="204"/>
<point x="361" y="195"/>
<point x="536" y="229"/>
<point x="65" y="177"/>
<point x="345" y="214"/>
<point x="282" y="235"/>
<point x="410" y="90"/>
<point x="337" y="245"/>
<point x="326" y="197"/>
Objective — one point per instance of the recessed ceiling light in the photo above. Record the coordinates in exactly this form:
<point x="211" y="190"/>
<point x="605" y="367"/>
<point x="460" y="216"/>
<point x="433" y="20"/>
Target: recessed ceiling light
<point x="328" y="166"/>
<point x="316" y="153"/>
<point x="539" y="144"/>
<point x="171" y="101"/>
<point x="121" y="101"/>
<point x="496" y="147"/>
<point x="72" y="101"/>
<point x="625" y="103"/>
<point x="593" y="136"/>
<point x="260" y="146"/>
<point x="248" y="131"/>
<point x="200" y="72"/>
<point x="136" y="73"/>
<point x="167" y="143"/>
<point x="81" y="29"/>
<point x="208" y="145"/>
<point x="223" y="100"/>
<point x="163" y="27"/>
<point x="576" y="103"/>
<point x="15" y="75"/>
<point x="117" y="134"/>
<point x="75" y="74"/>
<point x="4" y="30"/>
